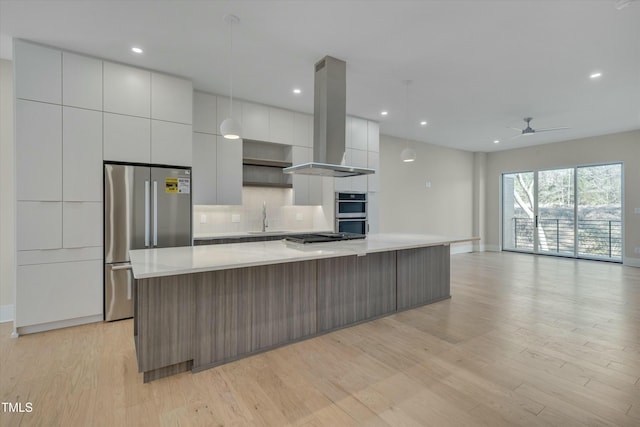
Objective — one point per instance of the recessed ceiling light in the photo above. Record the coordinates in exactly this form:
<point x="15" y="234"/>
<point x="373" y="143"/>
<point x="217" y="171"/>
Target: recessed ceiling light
<point x="423" y="123"/>
<point x="384" y="113"/>
<point x="297" y="91"/>
<point x="595" y="75"/>
<point x="496" y="141"/>
<point x="136" y="50"/>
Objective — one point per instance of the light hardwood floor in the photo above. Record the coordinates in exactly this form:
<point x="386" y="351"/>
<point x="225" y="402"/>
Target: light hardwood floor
<point x="524" y="340"/>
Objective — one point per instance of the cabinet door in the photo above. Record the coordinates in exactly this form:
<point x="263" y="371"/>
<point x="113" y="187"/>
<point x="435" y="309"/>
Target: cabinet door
<point x="38" y="151"/>
<point x="127" y="90"/>
<point x="58" y="291"/>
<point x="171" y="143"/>
<point x="373" y="162"/>
<point x="373" y="136"/>
<point x="81" y="81"/>
<point x="81" y="224"/>
<point x="205" y="113"/>
<point x="39" y="225"/>
<point x="281" y="126"/>
<point x="127" y="139"/>
<point x="204" y="171"/>
<point x="255" y="121"/>
<point x="229" y="171"/>
<point x="171" y="99"/>
<point x="300" y="182"/>
<point x="302" y="130"/>
<point x="82" y="158"/>
<point x="359" y="134"/>
<point x="38" y="74"/>
<point x="359" y="159"/>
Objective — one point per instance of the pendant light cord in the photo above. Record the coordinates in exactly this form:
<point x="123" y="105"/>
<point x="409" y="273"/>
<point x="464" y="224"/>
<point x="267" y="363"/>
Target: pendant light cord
<point x="231" y="69"/>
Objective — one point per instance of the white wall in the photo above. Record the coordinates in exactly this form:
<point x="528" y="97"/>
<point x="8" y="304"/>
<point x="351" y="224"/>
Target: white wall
<point x="620" y="147"/>
<point x="408" y="205"/>
<point x="7" y="193"/>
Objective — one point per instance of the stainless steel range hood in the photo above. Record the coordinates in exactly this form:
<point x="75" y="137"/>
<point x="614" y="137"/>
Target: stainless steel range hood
<point x="329" y="117"/>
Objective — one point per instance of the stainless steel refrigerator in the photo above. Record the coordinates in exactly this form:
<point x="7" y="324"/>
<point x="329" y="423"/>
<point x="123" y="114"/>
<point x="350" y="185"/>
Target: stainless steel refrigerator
<point x="144" y="207"/>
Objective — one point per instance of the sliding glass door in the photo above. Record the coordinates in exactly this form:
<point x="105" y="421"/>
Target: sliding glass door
<point x="574" y="212"/>
<point x="556" y="212"/>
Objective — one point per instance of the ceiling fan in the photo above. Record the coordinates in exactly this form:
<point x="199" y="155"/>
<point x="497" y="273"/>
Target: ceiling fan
<point x="530" y="131"/>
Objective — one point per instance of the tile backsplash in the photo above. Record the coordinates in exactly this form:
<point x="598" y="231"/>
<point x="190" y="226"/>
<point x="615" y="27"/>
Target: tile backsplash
<point x="281" y="214"/>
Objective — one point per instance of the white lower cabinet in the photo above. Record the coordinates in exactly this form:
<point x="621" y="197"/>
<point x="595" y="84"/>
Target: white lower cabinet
<point x="127" y="138"/>
<point x="171" y="143"/>
<point x="39" y="225"/>
<point x="58" y="291"/>
<point x="81" y="224"/>
<point x="203" y="173"/>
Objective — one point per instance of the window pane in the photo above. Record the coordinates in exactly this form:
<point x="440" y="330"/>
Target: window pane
<point x="517" y="211"/>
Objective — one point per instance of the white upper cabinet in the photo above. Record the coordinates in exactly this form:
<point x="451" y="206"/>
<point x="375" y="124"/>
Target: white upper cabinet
<point x="229" y="171"/>
<point x="171" y="98"/>
<point x="81" y="224"/>
<point x="38" y="74"/>
<point x="302" y="130"/>
<point x="255" y="121"/>
<point x="38" y="151"/>
<point x="205" y="113"/>
<point x="359" y="134"/>
<point x="204" y="171"/>
<point x="171" y="143"/>
<point x="127" y="90"/>
<point x="81" y="81"/>
<point x="307" y="190"/>
<point x="82" y="160"/>
<point x="223" y="110"/>
<point x="373" y="179"/>
<point x="39" y="225"/>
<point x="127" y="139"/>
<point x="281" y="126"/>
<point x="359" y="159"/>
<point x="373" y="136"/>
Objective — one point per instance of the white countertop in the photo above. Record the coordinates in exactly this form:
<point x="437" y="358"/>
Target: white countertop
<point x="195" y="259"/>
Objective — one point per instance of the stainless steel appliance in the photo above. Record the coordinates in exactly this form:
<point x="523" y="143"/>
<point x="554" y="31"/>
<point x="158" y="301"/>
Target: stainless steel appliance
<point x="351" y="213"/>
<point x="329" y="123"/>
<point x="144" y="207"/>
<point x="323" y="237"/>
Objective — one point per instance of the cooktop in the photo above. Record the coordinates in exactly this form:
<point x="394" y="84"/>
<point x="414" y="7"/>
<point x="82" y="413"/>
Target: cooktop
<point x="323" y="237"/>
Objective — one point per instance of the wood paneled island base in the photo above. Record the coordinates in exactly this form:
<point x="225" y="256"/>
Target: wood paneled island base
<point x="200" y="320"/>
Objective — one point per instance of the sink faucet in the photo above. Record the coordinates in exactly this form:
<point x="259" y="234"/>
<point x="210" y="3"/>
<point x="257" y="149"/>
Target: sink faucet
<point x="265" y="224"/>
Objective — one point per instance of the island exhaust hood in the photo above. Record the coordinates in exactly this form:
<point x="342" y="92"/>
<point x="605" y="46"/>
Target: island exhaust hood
<point x="329" y="117"/>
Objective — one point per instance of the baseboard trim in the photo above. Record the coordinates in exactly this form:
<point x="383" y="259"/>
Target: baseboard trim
<point x="461" y="248"/>
<point x="631" y="262"/>
<point x="492" y="248"/>
<point x="6" y="313"/>
<point x="42" y="327"/>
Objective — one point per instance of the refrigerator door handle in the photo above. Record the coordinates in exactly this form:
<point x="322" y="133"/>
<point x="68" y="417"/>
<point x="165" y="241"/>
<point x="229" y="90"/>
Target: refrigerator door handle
<point x="155" y="213"/>
<point x="126" y="266"/>
<point x="146" y="213"/>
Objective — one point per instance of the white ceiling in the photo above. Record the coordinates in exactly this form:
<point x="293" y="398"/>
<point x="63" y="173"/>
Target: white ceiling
<point x="476" y="66"/>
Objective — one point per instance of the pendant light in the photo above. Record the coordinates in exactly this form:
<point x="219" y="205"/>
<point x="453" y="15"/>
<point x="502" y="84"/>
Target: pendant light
<point x="230" y="128"/>
<point x="408" y="154"/>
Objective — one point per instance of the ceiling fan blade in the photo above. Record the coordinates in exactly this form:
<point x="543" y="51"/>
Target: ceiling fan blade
<point x="516" y="136"/>
<point x="518" y="129"/>
<point x="552" y="129"/>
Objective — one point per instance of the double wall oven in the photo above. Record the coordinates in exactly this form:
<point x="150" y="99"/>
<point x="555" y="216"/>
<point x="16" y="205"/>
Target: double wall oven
<point x="351" y="213"/>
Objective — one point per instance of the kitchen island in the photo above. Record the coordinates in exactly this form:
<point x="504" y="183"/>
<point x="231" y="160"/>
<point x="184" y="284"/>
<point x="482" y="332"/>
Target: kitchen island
<point x="202" y="306"/>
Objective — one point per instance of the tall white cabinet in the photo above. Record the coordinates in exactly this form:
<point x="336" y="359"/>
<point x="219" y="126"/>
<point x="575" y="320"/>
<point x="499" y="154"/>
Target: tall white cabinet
<point x="72" y="113"/>
<point x="217" y="162"/>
